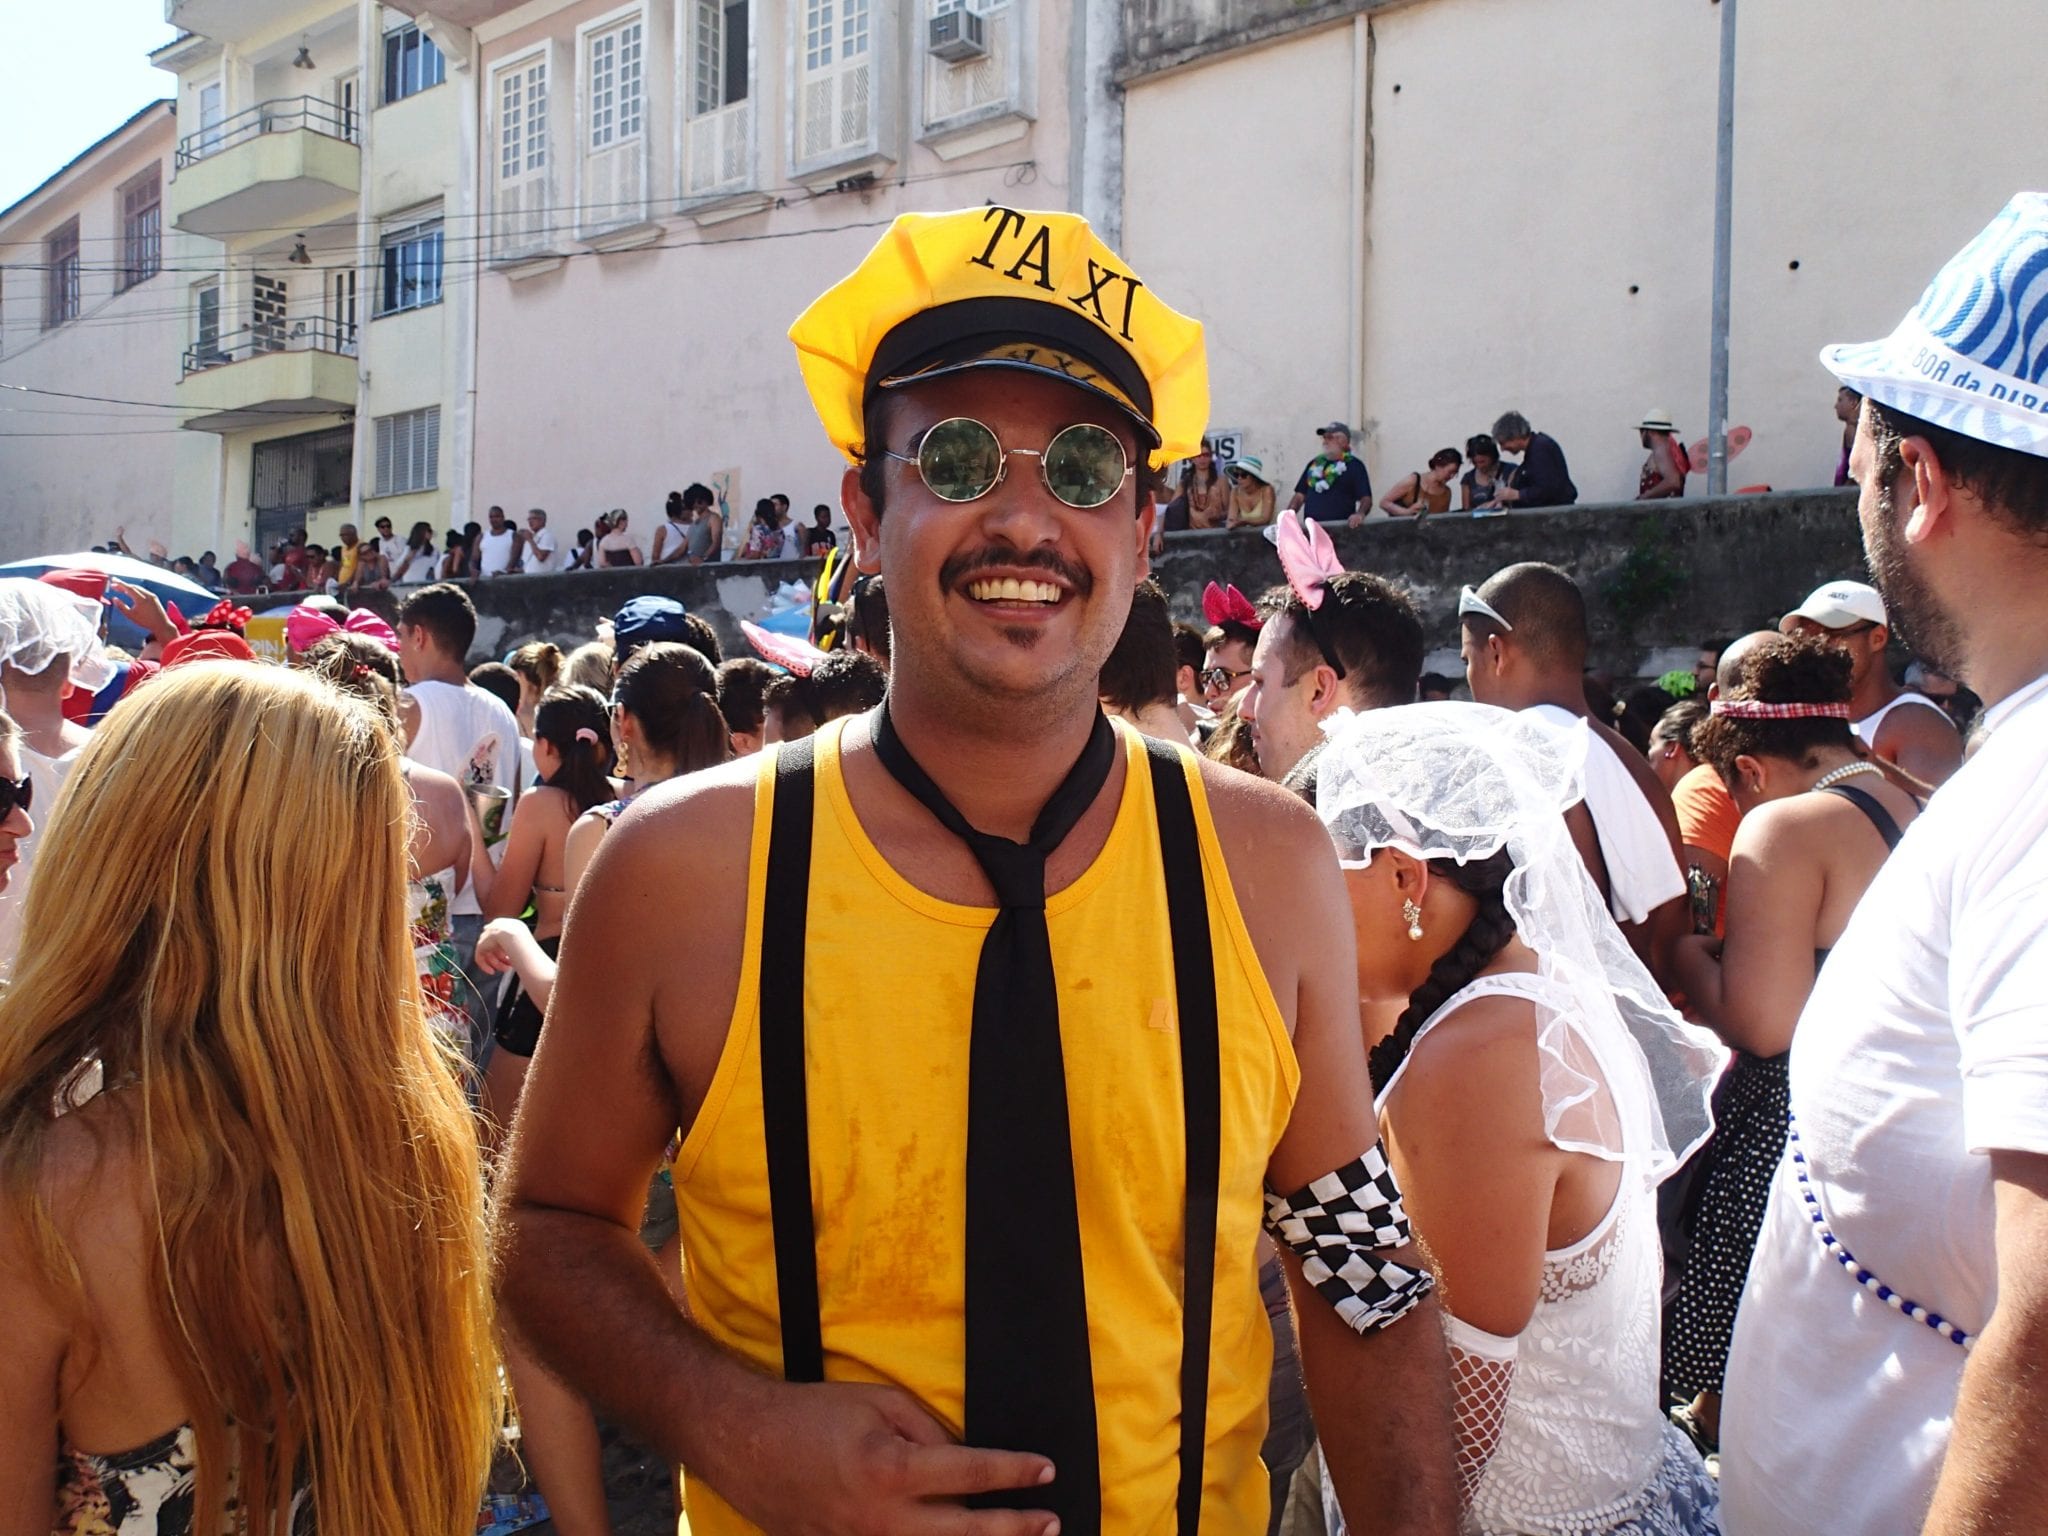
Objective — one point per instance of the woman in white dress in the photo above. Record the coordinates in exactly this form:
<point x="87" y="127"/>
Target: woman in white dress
<point x="1533" y="1088"/>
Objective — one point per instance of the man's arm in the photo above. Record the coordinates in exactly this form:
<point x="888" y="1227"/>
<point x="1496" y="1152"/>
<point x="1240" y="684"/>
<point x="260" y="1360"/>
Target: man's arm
<point x="633" y="1038"/>
<point x="1922" y="741"/>
<point x="1382" y="1400"/>
<point x="1991" y="1481"/>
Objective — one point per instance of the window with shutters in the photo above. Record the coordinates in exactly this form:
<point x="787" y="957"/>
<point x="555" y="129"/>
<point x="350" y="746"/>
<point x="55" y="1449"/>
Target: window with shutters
<point x="408" y="452"/>
<point x="521" y="205"/>
<point x="976" y="89"/>
<point x="411" y="276"/>
<point x="718" y="131"/>
<point x="411" y="63"/>
<point x="206" y="325"/>
<point x="617" y="80"/>
<point x="142" y="228"/>
<point x="613" y="190"/>
<point x="60" y="275"/>
<point x="836" y="94"/>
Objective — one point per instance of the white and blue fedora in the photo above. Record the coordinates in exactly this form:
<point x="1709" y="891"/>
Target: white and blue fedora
<point x="1973" y="357"/>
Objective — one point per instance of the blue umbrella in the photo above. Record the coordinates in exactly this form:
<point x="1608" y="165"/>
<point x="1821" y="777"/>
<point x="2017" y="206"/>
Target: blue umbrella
<point x="191" y="598"/>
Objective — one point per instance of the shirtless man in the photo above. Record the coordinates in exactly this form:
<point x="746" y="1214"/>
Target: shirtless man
<point x="839" y="1344"/>
<point x="1905" y="728"/>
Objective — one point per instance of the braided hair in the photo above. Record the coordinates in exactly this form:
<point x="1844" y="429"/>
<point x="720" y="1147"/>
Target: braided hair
<point x="1485" y="881"/>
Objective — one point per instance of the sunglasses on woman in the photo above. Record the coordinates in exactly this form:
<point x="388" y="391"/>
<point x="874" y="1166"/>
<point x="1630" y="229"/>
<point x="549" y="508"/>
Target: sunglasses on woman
<point x="15" y="793"/>
<point x="960" y="460"/>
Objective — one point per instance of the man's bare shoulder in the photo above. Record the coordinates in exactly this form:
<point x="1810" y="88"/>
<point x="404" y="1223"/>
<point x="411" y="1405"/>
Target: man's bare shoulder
<point x="1257" y="818"/>
<point x="682" y="843"/>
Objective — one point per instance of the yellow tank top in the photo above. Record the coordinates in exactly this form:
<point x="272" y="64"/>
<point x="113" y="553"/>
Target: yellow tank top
<point x="888" y="991"/>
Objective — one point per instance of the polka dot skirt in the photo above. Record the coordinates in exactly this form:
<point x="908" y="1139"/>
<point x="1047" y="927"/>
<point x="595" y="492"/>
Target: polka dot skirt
<point x="1750" y="1114"/>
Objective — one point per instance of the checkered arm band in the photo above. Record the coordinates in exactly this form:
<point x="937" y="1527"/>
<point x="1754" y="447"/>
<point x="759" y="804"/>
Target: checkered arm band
<point x="1339" y="1227"/>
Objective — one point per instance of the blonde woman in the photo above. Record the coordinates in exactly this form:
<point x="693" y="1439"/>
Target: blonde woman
<point x="241" y="1224"/>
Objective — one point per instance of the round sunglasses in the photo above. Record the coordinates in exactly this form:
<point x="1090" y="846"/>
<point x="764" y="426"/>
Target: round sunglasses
<point x="960" y="460"/>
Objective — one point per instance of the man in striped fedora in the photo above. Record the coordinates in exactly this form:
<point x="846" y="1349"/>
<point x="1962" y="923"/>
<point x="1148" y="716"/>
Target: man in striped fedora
<point x="1886" y="1372"/>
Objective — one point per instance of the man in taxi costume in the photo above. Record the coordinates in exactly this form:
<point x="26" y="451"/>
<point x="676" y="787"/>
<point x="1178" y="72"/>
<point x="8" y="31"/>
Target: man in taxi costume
<point x="985" y="1023"/>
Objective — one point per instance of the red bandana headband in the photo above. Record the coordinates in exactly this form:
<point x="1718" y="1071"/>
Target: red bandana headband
<point x="1757" y="709"/>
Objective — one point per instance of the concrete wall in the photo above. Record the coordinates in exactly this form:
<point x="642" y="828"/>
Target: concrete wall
<point x="1536" y="188"/>
<point x="609" y="377"/>
<point x="72" y="470"/>
<point x="1658" y="581"/>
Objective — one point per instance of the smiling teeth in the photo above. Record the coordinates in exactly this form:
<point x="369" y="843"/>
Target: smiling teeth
<point x="1010" y="591"/>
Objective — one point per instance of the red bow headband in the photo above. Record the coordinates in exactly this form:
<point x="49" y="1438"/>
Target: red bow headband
<point x="1227" y="605"/>
<point x="1757" y="709"/>
<point x="225" y="615"/>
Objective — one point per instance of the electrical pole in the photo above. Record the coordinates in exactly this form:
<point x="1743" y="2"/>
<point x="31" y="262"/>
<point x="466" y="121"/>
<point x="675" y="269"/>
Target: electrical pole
<point x="1724" y="209"/>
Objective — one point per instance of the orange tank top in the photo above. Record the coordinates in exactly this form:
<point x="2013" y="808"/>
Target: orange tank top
<point x="888" y="994"/>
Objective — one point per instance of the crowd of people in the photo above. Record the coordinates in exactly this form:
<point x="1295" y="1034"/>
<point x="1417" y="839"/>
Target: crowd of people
<point x="1014" y="1064"/>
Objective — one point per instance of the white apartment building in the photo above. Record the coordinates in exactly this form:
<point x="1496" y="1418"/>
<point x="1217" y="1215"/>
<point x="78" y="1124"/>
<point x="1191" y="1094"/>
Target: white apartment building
<point x="323" y="353"/>
<point x="90" y="309"/>
<point x="664" y="184"/>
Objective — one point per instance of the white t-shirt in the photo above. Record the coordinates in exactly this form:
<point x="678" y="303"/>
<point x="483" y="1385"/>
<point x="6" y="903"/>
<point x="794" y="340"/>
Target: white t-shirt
<point x="1923" y="1048"/>
<point x="540" y="552"/>
<point x="1642" y="871"/>
<point x="474" y="739"/>
<point x="47" y="774"/>
<point x="393" y="551"/>
<point x="494" y="551"/>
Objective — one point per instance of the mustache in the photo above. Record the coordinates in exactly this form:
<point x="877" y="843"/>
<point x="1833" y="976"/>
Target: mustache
<point x="958" y="568"/>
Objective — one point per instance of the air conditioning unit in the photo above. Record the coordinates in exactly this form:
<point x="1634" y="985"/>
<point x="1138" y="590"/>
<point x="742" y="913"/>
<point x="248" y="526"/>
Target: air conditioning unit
<point x="957" y="37"/>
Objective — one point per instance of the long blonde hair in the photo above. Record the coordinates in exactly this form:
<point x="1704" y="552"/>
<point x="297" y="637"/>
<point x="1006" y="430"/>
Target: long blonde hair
<point x="320" y="1274"/>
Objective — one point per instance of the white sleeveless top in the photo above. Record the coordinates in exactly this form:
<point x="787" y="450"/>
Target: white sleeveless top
<point x="1867" y="728"/>
<point x="1582" y="1448"/>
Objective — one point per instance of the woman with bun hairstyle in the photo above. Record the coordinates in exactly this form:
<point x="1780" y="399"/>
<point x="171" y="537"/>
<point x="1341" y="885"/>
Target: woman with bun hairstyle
<point x="538" y="666"/>
<point x="1819" y="819"/>
<point x="242" y="1238"/>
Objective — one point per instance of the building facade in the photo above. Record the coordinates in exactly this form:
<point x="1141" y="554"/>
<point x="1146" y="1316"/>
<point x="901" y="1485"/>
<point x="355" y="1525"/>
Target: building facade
<point x="665" y="184"/>
<point x="323" y="352"/>
<point x="90" y="309"/>
<point x="1421" y="213"/>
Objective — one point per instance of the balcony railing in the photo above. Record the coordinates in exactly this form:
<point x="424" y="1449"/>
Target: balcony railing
<point x="310" y="334"/>
<point x="287" y="114"/>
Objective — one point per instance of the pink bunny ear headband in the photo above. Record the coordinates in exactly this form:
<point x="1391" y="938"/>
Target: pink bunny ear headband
<point x="1310" y="560"/>
<point x="1227" y="605"/>
<point x="794" y="656"/>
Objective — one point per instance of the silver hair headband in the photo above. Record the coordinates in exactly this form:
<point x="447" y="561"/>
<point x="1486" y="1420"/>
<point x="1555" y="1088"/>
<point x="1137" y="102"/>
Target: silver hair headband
<point x="1470" y="601"/>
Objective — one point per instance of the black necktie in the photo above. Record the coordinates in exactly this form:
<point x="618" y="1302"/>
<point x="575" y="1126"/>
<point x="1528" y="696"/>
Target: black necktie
<point x="1029" y="1385"/>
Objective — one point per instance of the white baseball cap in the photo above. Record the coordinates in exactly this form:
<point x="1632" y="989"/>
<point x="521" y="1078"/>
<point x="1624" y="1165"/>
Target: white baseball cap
<point x="1840" y="604"/>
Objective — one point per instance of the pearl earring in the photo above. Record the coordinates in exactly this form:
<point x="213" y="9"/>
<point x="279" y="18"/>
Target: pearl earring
<point x="1413" y="914"/>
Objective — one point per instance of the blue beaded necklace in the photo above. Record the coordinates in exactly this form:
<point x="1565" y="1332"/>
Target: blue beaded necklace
<point x="1847" y="1260"/>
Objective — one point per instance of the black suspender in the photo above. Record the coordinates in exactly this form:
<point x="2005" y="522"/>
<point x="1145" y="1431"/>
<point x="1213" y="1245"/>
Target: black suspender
<point x="785" y="1116"/>
<point x="1194" y="979"/>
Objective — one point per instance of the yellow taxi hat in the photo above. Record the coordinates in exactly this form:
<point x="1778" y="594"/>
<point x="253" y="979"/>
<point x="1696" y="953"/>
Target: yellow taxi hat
<point x="1000" y="287"/>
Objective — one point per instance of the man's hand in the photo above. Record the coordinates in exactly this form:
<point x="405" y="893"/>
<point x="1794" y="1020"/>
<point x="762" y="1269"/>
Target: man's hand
<point x="1507" y="495"/>
<point x="141" y="606"/>
<point x="1356" y="520"/>
<point x="843" y="1460"/>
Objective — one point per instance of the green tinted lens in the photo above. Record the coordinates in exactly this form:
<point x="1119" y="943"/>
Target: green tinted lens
<point x="960" y="459"/>
<point x="1085" y="465"/>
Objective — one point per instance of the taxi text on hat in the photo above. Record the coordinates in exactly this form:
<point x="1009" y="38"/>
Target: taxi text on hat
<point x="1973" y="356"/>
<point x="1002" y="288"/>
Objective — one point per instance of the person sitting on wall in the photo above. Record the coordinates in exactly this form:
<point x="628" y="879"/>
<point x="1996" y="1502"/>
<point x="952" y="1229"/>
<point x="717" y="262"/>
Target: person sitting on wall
<point x="1665" y="469"/>
<point x="1541" y="479"/>
<point x="1334" y="485"/>
<point x="1426" y="490"/>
